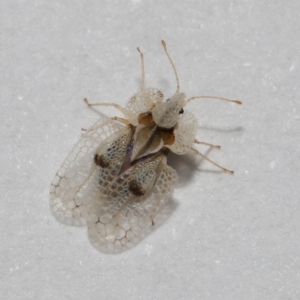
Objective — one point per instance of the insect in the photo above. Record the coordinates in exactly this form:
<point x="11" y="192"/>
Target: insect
<point x="117" y="178"/>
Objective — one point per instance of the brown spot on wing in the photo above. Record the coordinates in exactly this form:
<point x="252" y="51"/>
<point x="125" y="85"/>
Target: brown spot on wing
<point x="101" y="161"/>
<point x="135" y="188"/>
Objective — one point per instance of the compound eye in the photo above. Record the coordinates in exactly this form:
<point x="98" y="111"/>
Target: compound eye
<point x="181" y="111"/>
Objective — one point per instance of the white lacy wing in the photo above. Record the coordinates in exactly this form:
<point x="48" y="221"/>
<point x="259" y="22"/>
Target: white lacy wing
<point x="79" y="178"/>
<point x="143" y="101"/>
<point x="123" y="209"/>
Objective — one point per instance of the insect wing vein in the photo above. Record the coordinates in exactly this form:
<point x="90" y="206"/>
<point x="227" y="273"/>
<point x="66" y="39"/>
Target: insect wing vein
<point x="121" y="218"/>
<point x="78" y="178"/>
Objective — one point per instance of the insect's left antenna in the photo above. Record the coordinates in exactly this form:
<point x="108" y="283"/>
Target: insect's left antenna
<point x="143" y="70"/>
<point x="173" y="66"/>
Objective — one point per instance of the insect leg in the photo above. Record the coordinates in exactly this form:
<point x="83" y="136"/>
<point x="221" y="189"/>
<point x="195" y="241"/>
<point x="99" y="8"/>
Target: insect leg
<point x="211" y="161"/>
<point x="117" y="106"/>
<point x="121" y="120"/>
<point x="207" y="144"/>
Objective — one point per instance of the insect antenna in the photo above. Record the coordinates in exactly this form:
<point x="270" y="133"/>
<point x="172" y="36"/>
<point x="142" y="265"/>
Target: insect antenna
<point x="143" y="70"/>
<point x="212" y="97"/>
<point x="173" y="66"/>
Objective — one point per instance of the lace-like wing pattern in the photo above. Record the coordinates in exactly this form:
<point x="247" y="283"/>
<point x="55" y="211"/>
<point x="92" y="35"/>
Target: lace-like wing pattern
<point x="116" y="179"/>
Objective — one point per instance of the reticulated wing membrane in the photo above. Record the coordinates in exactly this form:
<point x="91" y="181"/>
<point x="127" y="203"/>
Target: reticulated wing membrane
<point x="142" y="102"/>
<point x="80" y="178"/>
<point x="129" y="204"/>
<point x="184" y="132"/>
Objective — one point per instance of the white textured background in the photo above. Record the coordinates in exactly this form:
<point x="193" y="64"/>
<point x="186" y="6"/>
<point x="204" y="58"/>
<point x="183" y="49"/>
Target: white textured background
<point x="229" y="237"/>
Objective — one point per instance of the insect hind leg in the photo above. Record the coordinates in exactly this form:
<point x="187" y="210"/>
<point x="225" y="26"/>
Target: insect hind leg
<point x="211" y="161"/>
<point x="207" y="144"/>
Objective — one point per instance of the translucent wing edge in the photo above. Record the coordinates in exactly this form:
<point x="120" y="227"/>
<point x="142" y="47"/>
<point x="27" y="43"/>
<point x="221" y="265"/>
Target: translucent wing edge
<point x="78" y="163"/>
<point x="130" y="229"/>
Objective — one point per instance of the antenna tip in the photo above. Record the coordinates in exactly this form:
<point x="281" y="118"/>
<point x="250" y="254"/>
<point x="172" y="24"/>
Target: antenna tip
<point x="163" y="43"/>
<point x="238" y="102"/>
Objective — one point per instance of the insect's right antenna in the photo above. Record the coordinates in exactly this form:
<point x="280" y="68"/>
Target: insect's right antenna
<point x="143" y="70"/>
<point x="173" y="66"/>
<point x="212" y="97"/>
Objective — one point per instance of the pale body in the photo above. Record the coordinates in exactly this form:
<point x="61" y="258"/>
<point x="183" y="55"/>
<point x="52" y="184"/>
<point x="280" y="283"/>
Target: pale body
<point x="85" y="193"/>
<point x="116" y="179"/>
